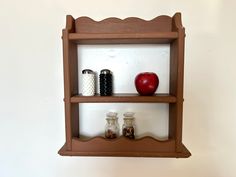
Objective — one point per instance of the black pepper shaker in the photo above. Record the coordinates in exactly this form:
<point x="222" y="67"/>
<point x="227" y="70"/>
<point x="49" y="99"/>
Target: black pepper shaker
<point x="105" y="79"/>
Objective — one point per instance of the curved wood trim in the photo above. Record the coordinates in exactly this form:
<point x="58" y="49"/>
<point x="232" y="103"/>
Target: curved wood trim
<point x="118" y="20"/>
<point x="121" y="138"/>
<point x="129" y="25"/>
<point x="122" y="144"/>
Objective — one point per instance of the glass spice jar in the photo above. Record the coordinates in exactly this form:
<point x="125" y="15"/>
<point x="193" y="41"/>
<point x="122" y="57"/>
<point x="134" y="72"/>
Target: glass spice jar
<point x="128" y="128"/>
<point x="112" y="126"/>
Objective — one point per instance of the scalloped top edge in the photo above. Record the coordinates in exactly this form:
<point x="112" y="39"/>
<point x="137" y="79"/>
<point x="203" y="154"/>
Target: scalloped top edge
<point x="162" y="23"/>
<point x="119" y="19"/>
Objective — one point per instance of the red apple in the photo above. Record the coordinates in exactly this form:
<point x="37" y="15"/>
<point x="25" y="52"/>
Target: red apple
<point x="146" y="83"/>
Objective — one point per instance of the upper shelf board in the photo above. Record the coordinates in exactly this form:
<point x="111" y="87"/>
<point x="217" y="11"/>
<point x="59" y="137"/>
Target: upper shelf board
<point x="124" y="38"/>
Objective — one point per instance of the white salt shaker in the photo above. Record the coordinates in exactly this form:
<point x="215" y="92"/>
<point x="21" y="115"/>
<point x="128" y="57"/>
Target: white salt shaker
<point x="88" y="82"/>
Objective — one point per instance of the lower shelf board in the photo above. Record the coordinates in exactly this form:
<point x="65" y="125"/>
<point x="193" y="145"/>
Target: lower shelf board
<point x="144" y="147"/>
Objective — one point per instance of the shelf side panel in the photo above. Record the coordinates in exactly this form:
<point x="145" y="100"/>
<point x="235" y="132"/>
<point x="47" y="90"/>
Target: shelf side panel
<point x="173" y="89"/>
<point x="180" y="89"/>
<point x="73" y="64"/>
<point x="128" y="25"/>
<point x="176" y="83"/>
<point x="70" y="83"/>
<point x="66" y="67"/>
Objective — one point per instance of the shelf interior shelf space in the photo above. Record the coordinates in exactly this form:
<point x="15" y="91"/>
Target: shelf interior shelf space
<point x="124" y="98"/>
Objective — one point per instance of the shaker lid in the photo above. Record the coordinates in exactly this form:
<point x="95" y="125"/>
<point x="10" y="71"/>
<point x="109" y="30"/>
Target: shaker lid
<point x="129" y="114"/>
<point x="87" y="71"/>
<point x="105" y="71"/>
<point x="111" y="114"/>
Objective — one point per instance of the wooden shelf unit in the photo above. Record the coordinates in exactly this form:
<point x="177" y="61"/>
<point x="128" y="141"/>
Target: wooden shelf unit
<point x="160" y="30"/>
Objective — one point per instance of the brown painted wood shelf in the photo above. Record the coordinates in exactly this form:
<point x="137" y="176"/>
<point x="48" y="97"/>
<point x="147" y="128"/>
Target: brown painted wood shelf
<point x="124" y="98"/>
<point x="160" y="30"/>
<point x="122" y="146"/>
<point x="127" y="38"/>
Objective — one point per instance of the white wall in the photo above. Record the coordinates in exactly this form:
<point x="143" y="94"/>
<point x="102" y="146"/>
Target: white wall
<point x="31" y="89"/>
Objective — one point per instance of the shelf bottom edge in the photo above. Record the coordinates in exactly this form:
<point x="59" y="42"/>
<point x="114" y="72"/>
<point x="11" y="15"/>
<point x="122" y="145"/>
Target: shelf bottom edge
<point x="183" y="154"/>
